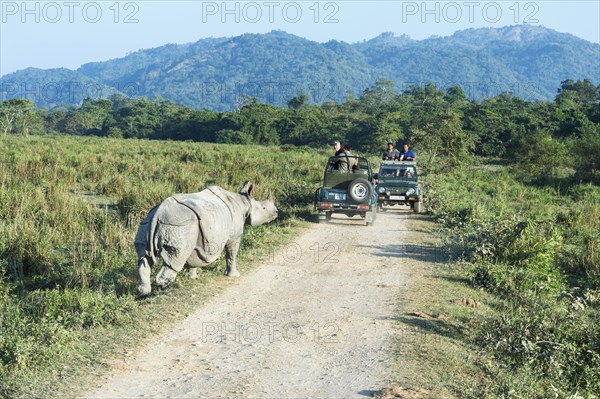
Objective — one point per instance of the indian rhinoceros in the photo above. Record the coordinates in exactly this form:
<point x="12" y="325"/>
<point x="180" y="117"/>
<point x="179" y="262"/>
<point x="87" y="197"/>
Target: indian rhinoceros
<point x="193" y="229"/>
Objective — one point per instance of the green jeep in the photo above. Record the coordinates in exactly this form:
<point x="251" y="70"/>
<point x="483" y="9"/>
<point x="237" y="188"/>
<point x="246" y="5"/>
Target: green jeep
<point x="398" y="184"/>
<point x="347" y="189"/>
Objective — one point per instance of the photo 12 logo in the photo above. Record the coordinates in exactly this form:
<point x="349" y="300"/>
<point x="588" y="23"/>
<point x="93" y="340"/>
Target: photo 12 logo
<point x="270" y="11"/>
<point x="470" y="11"/>
<point x="64" y="91"/>
<point x="269" y="332"/>
<point x="68" y="11"/>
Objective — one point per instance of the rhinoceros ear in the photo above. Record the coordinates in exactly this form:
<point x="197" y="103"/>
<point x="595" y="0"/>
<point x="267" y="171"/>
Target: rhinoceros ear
<point x="270" y="196"/>
<point x="247" y="189"/>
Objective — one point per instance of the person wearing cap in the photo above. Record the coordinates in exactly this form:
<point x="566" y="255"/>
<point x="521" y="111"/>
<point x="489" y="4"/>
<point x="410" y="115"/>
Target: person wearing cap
<point x="391" y="154"/>
<point x="343" y="162"/>
<point x="337" y="147"/>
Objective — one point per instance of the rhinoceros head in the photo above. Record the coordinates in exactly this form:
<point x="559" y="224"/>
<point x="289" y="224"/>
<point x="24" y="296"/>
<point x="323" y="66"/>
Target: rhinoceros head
<point x="261" y="212"/>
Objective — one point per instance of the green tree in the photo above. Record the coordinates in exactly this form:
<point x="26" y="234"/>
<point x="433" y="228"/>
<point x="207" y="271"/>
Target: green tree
<point x="19" y="116"/>
<point x="586" y="154"/>
<point x="375" y="99"/>
<point x="498" y="121"/>
<point x="436" y="126"/>
<point x="141" y="118"/>
<point x="582" y="92"/>
<point x="576" y="108"/>
<point x="442" y="134"/>
<point x="254" y="120"/>
<point x="298" y="102"/>
<point x="537" y="154"/>
<point x="228" y="136"/>
<point x="378" y="129"/>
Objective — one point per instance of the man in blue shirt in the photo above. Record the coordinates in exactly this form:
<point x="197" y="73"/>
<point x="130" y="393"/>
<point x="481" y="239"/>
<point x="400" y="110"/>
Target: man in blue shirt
<point x="407" y="154"/>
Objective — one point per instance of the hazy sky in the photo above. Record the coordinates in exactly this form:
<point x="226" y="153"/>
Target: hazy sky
<point x="69" y="33"/>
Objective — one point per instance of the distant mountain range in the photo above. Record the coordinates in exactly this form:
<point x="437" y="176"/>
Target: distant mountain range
<point x="216" y="73"/>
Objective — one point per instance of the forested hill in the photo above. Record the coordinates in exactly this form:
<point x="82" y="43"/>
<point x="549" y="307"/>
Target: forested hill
<point x="216" y="73"/>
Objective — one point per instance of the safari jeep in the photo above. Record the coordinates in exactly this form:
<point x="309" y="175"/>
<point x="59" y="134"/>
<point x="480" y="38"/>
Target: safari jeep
<point x="398" y="184"/>
<point x="347" y="189"/>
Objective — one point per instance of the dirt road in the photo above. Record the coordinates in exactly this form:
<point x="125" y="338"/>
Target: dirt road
<point x="316" y="319"/>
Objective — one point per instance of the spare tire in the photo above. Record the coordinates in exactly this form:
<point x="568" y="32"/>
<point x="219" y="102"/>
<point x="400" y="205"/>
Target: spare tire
<point x="360" y="190"/>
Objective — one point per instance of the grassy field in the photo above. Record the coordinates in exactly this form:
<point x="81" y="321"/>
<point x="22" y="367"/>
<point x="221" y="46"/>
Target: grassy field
<point x="69" y="210"/>
<point x="533" y="244"/>
<point x="526" y="249"/>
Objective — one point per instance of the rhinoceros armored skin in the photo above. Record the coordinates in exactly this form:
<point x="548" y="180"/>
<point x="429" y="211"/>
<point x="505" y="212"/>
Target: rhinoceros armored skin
<point x="193" y="229"/>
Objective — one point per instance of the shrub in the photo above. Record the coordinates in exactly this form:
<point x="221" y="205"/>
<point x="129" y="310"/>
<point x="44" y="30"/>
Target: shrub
<point x="229" y="136"/>
<point x="115" y="133"/>
<point x="557" y="344"/>
<point x="539" y="154"/>
<point x="587" y="154"/>
<point x="531" y="245"/>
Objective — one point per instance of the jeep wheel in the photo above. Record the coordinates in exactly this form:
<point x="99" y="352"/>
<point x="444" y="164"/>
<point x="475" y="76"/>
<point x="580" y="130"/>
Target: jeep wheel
<point x="360" y="190"/>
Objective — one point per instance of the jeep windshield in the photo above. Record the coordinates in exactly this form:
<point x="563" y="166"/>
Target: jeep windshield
<point x="394" y="171"/>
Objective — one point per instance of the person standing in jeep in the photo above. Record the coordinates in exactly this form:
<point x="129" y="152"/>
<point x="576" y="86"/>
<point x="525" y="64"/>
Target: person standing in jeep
<point x="343" y="163"/>
<point x="391" y="154"/>
<point x="407" y="154"/>
<point x="337" y="147"/>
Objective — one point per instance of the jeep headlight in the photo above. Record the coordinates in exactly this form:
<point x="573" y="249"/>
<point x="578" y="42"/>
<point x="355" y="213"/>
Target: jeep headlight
<point x="410" y="191"/>
<point x="381" y="190"/>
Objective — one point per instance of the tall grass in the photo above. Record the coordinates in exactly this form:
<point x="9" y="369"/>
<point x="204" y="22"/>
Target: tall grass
<point x="69" y="210"/>
<point x="536" y="247"/>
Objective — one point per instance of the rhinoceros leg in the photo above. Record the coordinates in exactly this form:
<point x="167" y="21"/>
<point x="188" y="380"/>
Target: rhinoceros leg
<point x="232" y="248"/>
<point x="145" y="261"/>
<point x="177" y="244"/>
<point x="144" y="270"/>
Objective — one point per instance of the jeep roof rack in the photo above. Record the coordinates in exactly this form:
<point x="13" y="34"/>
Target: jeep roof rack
<point x="386" y="162"/>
